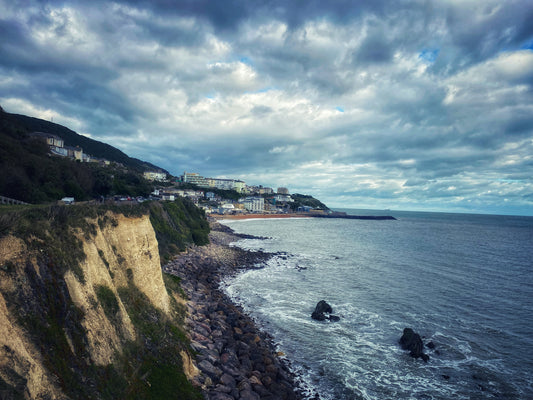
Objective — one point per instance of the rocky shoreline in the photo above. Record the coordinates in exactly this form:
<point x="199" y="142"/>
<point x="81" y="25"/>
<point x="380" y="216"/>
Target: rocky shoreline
<point x="236" y="360"/>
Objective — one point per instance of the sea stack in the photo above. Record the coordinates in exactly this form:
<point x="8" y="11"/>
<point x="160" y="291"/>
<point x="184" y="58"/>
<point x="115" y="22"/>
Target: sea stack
<point x="413" y="342"/>
<point x="322" y="308"/>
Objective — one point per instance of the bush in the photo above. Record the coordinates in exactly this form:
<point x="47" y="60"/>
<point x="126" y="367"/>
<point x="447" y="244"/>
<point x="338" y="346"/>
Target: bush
<point x="107" y="300"/>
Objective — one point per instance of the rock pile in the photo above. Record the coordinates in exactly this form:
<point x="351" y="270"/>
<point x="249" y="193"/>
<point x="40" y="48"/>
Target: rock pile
<point x="236" y="360"/>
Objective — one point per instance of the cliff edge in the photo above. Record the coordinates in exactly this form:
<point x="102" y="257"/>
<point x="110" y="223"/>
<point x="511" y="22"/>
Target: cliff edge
<point x="85" y="311"/>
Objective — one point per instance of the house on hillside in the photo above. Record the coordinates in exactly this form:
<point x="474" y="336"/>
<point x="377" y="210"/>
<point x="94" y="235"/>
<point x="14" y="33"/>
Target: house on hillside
<point x="50" y="139"/>
<point x="75" y="152"/>
<point x="155" y="176"/>
<point x="57" y="147"/>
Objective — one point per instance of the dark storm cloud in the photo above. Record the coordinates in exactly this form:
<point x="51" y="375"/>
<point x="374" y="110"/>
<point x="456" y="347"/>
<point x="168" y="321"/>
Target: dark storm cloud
<point x="227" y="15"/>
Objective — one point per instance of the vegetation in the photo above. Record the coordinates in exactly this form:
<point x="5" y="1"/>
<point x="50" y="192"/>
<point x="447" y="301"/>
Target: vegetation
<point x="301" y="200"/>
<point x="107" y="300"/>
<point x="71" y="138"/>
<point x="152" y="364"/>
<point x="30" y="174"/>
<point x="50" y="228"/>
<point x="149" y="367"/>
<point x="176" y="224"/>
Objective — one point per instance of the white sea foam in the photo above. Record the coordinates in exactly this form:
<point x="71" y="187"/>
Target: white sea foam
<point x="423" y="273"/>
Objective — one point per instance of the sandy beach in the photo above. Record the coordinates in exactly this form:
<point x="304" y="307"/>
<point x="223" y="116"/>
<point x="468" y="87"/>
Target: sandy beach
<point x="235" y="359"/>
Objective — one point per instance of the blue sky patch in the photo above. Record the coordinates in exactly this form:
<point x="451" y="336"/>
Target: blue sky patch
<point x="527" y="45"/>
<point x="429" y="55"/>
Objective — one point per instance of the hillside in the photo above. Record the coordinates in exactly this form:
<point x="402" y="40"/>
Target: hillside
<point x="30" y="174"/>
<point x="303" y="200"/>
<point x="85" y="311"/>
<point x="89" y="146"/>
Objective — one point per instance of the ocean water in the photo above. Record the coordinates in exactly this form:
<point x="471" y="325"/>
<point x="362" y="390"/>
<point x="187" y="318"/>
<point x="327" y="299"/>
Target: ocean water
<point x="464" y="282"/>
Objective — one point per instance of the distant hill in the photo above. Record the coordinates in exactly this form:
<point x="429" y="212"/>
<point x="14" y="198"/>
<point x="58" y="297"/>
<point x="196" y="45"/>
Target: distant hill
<point x="31" y="174"/>
<point x="89" y="146"/>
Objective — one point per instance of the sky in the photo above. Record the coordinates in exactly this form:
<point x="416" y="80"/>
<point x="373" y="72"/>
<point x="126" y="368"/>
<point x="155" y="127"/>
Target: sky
<point x="401" y="105"/>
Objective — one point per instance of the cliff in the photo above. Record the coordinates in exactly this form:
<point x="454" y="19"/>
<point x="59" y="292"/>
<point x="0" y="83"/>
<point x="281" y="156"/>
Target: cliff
<point x="85" y="311"/>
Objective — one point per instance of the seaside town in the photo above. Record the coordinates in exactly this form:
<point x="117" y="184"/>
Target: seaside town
<point x="211" y="197"/>
<point x="216" y="196"/>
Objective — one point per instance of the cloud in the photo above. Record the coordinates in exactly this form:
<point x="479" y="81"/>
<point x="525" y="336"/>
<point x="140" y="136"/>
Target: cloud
<point x="359" y="103"/>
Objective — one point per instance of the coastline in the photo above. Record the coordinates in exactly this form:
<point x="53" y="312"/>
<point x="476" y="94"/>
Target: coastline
<point x="340" y="215"/>
<point x="235" y="359"/>
<point x="259" y="216"/>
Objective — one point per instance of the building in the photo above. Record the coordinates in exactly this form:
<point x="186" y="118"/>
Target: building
<point x="283" y="198"/>
<point x="155" y="176"/>
<point x="57" y="146"/>
<point x="194" y="179"/>
<point x="227" y="184"/>
<point x="73" y="152"/>
<point x="227" y="208"/>
<point x="253" y="204"/>
<point x="239" y="186"/>
<point x="283" y="190"/>
<point x="49" y="138"/>
<point x="265" y="190"/>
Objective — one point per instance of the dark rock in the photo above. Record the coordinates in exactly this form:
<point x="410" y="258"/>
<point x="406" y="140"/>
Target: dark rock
<point x="220" y="396"/>
<point x="223" y="389"/>
<point x="318" y="317"/>
<point x="228" y="380"/>
<point x="447" y="377"/>
<point x="209" y="369"/>
<point x="413" y="342"/>
<point x="430" y="345"/>
<point x="321" y="309"/>
<point x="249" y="395"/>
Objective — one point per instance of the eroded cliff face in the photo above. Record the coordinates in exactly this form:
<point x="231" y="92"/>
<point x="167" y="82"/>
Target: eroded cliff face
<point x="118" y="255"/>
<point x="88" y="316"/>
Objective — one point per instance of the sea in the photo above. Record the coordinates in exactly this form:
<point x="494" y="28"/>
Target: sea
<point x="463" y="282"/>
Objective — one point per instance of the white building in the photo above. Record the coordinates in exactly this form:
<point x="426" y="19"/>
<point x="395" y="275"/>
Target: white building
<point x="194" y="178"/>
<point x="253" y="204"/>
<point x="226" y="184"/>
<point x="226" y="208"/>
<point x="155" y="176"/>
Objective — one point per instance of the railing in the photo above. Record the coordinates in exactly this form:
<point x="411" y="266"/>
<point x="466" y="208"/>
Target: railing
<point x="7" y="200"/>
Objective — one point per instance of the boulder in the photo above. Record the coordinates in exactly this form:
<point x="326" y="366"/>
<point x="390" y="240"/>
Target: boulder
<point x="322" y="308"/>
<point x="413" y="342"/>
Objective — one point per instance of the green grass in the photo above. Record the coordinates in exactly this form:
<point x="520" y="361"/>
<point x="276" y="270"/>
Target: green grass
<point x="107" y="300"/>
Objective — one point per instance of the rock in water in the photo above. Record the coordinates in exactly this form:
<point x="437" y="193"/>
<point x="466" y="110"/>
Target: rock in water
<point x="413" y="342"/>
<point x="321" y="309"/>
